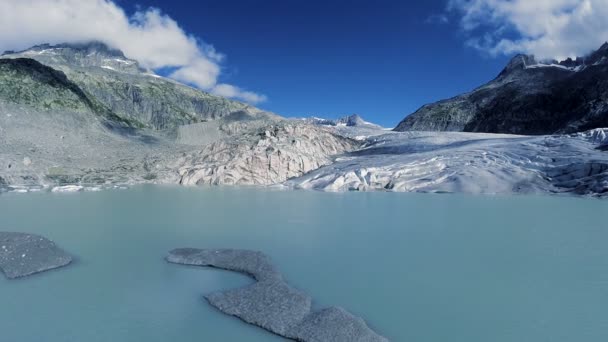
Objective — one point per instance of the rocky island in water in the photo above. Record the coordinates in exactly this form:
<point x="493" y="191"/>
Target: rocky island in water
<point x="23" y="255"/>
<point x="273" y="304"/>
<point x="84" y="116"/>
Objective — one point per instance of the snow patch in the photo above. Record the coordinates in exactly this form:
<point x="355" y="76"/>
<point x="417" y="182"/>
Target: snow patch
<point x="68" y="188"/>
<point x="123" y="61"/>
<point x="553" y="65"/>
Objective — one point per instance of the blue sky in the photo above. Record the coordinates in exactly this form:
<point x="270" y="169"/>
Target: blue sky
<point x="381" y="59"/>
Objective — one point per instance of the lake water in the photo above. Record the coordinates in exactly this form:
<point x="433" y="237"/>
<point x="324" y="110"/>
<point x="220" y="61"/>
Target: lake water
<point x="417" y="267"/>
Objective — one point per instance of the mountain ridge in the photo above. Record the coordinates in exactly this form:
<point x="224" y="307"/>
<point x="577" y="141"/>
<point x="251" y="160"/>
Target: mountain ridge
<point x="353" y="120"/>
<point x="129" y="91"/>
<point x="527" y="97"/>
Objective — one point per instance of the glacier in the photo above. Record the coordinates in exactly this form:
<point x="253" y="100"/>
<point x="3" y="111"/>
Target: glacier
<point x="476" y="163"/>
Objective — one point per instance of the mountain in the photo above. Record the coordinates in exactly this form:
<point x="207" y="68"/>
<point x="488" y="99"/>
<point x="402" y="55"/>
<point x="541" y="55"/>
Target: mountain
<point x="349" y="121"/>
<point x="130" y="92"/>
<point x="65" y="124"/>
<point x="76" y="116"/>
<point x="527" y="97"/>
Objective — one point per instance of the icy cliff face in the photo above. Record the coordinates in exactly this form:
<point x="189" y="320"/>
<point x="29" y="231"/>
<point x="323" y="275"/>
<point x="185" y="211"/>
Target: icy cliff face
<point x="469" y="163"/>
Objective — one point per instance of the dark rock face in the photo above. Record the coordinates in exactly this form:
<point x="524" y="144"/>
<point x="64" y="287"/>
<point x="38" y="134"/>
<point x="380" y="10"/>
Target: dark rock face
<point x="271" y="303"/>
<point x="527" y="97"/>
<point x="25" y="254"/>
<point x="29" y="71"/>
<point x="25" y="81"/>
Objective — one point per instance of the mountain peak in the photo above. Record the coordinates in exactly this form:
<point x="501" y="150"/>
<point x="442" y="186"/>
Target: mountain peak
<point x="88" y="47"/>
<point x="519" y="62"/>
<point x="598" y="57"/>
<point x="94" y="47"/>
<point x="83" y="54"/>
<point x="524" y="62"/>
<point x="353" y="120"/>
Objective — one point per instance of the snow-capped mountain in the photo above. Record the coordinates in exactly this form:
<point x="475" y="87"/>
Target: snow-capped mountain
<point x="527" y="97"/>
<point x="579" y="64"/>
<point x="349" y="121"/>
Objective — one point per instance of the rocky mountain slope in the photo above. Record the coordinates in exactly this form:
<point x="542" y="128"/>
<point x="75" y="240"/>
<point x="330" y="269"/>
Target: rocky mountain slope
<point x="132" y="93"/>
<point x="27" y="82"/>
<point x="527" y="97"/>
<point x="85" y="115"/>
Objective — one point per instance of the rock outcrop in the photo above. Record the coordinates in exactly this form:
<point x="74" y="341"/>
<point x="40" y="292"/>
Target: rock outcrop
<point x="271" y="303"/>
<point x="26" y="254"/>
<point x="268" y="154"/>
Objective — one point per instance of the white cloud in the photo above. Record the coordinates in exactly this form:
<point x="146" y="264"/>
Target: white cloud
<point x="228" y="90"/>
<point x="545" y="28"/>
<point x="149" y="36"/>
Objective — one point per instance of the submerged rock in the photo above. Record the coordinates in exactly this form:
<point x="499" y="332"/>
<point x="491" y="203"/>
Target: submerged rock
<point x="26" y="254"/>
<point x="271" y="303"/>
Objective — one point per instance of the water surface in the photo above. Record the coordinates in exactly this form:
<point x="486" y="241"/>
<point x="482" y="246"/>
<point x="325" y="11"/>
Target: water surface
<point x="417" y="267"/>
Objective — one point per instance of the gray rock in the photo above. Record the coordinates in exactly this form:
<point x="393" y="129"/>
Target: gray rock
<point x="266" y="155"/>
<point x="321" y="326"/>
<point x="3" y="185"/>
<point x="271" y="303"/>
<point x="26" y="254"/>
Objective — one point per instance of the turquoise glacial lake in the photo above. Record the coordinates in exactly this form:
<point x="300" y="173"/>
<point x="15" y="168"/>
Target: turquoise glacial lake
<point x="417" y="267"/>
